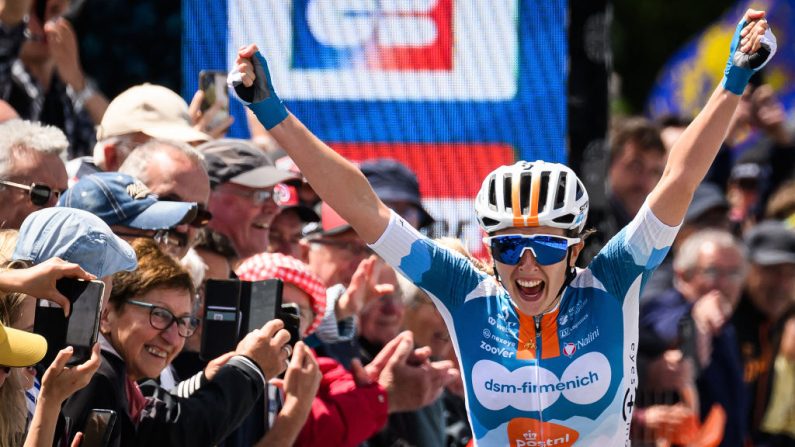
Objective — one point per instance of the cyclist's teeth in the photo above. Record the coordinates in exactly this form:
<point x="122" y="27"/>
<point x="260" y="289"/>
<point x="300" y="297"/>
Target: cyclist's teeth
<point x="156" y="352"/>
<point x="525" y="283"/>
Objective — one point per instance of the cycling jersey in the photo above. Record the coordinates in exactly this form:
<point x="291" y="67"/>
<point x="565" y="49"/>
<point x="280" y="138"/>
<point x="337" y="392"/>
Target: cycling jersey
<point x="563" y="378"/>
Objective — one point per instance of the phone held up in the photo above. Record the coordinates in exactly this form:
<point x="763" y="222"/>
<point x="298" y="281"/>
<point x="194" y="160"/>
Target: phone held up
<point x="79" y="330"/>
<point x="213" y="84"/>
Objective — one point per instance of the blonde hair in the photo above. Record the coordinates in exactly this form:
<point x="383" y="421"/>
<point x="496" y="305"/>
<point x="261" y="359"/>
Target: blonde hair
<point x="13" y="412"/>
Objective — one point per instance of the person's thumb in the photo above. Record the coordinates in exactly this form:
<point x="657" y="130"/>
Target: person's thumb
<point x="404" y="349"/>
<point x="360" y="375"/>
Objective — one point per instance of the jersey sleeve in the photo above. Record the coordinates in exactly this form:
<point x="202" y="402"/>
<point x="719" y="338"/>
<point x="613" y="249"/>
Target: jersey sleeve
<point x="446" y="275"/>
<point x="635" y="251"/>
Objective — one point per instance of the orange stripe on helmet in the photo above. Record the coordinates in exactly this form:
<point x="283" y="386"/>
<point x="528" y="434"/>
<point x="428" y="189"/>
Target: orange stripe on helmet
<point x="531" y="219"/>
<point x="535" y="190"/>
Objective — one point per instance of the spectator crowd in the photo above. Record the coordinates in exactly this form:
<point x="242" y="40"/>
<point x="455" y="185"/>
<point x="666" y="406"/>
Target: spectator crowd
<point x="138" y="192"/>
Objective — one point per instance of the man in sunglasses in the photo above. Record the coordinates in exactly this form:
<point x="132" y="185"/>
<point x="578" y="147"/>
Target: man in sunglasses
<point x="175" y="172"/>
<point x="130" y="208"/>
<point x="547" y="352"/>
<point x="242" y="202"/>
<point x="32" y="175"/>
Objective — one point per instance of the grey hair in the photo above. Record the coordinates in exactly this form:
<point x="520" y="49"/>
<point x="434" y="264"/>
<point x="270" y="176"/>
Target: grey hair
<point x="412" y="295"/>
<point x="22" y="134"/>
<point x="137" y="162"/>
<point x="195" y="265"/>
<point x="687" y="256"/>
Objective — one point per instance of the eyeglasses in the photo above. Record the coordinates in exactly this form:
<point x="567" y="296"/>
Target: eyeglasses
<point x="39" y="194"/>
<point x="547" y="249"/>
<point x="351" y="247"/>
<point x="257" y="196"/>
<point x="161" y="319"/>
<point x="203" y="216"/>
<point x="714" y="273"/>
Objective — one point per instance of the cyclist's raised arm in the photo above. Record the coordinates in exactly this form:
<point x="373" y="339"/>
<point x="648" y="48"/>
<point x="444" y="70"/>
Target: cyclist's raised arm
<point x="692" y="154"/>
<point x="335" y="179"/>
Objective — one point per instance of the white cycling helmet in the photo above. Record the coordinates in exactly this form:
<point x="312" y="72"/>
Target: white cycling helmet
<point x="532" y="194"/>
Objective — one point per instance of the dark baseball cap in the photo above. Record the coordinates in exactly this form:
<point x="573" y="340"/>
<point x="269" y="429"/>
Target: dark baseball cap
<point x="120" y="199"/>
<point x="706" y="197"/>
<point x="770" y="243"/>
<point x="392" y="181"/>
<point x="241" y="162"/>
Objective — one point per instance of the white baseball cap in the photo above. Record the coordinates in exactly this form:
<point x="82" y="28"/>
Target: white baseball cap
<point x="152" y="109"/>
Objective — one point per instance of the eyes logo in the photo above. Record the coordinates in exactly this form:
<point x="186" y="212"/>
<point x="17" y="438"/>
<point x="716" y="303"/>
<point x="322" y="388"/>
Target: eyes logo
<point x="584" y="381"/>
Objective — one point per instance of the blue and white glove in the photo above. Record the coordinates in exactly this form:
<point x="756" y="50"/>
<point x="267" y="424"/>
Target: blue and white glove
<point x="741" y="66"/>
<point x="261" y="98"/>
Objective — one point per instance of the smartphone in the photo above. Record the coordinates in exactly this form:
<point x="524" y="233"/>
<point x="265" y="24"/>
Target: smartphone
<point x="99" y="426"/>
<point x="221" y="322"/>
<point x="260" y="302"/>
<point x="80" y="329"/>
<point x="83" y="324"/>
<point x="290" y="314"/>
<point x="213" y="84"/>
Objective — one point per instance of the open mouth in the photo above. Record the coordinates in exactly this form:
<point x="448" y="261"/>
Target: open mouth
<point x="155" y="351"/>
<point x="260" y="225"/>
<point x="530" y="290"/>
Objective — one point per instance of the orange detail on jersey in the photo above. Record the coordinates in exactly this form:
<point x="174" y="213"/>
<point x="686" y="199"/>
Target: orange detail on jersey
<point x="550" y="344"/>
<point x="526" y="350"/>
<point x="526" y="432"/>
<point x="528" y="338"/>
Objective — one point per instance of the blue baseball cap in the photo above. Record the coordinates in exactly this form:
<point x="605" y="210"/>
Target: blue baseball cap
<point x="76" y="236"/>
<point x="120" y="199"/>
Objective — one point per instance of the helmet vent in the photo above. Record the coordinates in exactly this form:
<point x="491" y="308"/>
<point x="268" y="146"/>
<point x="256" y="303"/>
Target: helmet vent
<point x="524" y="192"/>
<point x="542" y="194"/>
<point x="560" y="194"/>
<point x="506" y="192"/>
<point x="564" y="219"/>
<point x="492" y="193"/>
<point x="579" y="191"/>
<point x="488" y="222"/>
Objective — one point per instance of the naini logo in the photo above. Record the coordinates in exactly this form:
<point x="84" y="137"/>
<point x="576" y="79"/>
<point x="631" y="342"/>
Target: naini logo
<point x="584" y="381"/>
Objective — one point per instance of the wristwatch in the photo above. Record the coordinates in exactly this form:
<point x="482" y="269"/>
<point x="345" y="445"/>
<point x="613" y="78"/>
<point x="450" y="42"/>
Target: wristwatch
<point x="79" y="98"/>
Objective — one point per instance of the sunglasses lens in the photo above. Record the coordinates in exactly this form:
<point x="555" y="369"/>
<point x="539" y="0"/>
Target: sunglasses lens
<point x="508" y="249"/>
<point x="549" y="249"/>
<point x="202" y="218"/>
<point x="40" y="194"/>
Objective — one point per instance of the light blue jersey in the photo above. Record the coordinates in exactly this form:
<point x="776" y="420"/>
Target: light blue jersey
<point x="564" y="378"/>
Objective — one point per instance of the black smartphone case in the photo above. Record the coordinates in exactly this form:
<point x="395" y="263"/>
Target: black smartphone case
<point x="221" y="322"/>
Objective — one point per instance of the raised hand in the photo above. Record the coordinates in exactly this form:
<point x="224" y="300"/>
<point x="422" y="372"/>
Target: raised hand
<point x="752" y="46"/>
<point x="202" y="120"/>
<point x="60" y="382"/>
<point x="267" y="347"/>
<point x="251" y="81"/>
<point x="39" y="281"/>
<point x="63" y="47"/>
<point x="410" y="386"/>
<point x="362" y="289"/>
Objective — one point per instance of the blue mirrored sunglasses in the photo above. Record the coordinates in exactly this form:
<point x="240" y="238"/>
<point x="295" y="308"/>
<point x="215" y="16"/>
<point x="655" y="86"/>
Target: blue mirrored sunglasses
<point x="546" y="248"/>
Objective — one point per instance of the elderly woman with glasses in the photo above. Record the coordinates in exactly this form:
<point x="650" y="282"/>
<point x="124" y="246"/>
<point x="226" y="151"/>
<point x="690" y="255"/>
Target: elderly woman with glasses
<point x="144" y="326"/>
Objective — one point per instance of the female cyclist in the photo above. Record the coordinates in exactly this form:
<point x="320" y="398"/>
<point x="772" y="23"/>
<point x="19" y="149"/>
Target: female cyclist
<point x="547" y="352"/>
